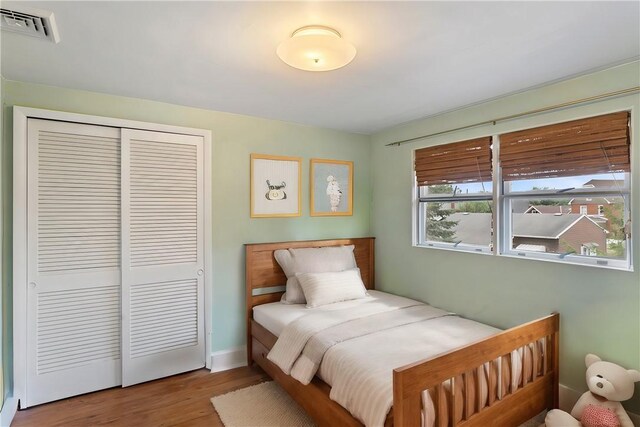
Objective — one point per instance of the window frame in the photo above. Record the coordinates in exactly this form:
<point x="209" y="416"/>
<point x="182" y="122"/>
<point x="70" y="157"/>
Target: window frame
<point x="420" y="241"/>
<point x="588" y="260"/>
<point x="419" y="215"/>
<point x="501" y="233"/>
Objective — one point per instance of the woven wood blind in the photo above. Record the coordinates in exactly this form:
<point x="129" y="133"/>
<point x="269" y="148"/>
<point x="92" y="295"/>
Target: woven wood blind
<point x="580" y="147"/>
<point x="458" y="162"/>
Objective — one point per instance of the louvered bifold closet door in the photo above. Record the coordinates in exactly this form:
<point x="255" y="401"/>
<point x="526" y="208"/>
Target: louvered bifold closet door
<point x="73" y="296"/>
<point x="162" y="255"/>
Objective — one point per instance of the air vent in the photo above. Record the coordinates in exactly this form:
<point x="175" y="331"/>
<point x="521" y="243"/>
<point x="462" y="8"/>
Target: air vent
<point x="31" y="22"/>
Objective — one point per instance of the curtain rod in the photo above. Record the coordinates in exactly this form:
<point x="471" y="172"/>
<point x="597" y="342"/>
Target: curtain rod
<point x="527" y="113"/>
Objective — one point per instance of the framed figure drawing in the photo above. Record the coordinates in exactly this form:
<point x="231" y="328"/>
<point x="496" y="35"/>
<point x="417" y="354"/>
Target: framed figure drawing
<point x="331" y="187"/>
<point x="275" y="186"/>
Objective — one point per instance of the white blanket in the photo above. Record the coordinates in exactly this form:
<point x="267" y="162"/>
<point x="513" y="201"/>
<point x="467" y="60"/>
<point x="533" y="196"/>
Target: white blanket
<point x="358" y="348"/>
<point x="308" y="362"/>
<point x="295" y="336"/>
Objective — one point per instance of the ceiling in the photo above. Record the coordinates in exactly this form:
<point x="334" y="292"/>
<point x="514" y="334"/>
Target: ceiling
<point x="414" y="59"/>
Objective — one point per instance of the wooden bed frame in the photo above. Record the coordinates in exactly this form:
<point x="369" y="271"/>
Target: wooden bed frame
<point x="510" y="408"/>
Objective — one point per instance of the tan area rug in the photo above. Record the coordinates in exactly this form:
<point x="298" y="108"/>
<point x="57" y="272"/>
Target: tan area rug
<point x="262" y="405"/>
<point x="268" y="405"/>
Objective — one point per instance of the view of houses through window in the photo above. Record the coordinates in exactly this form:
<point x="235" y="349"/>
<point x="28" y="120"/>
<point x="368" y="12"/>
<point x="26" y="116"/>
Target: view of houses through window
<point x="466" y="222"/>
<point x="584" y="225"/>
<point x="568" y="226"/>
<point x="454" y="214"/>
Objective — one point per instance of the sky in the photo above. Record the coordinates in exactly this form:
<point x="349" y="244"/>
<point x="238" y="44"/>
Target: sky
<point x="557" y="183"/>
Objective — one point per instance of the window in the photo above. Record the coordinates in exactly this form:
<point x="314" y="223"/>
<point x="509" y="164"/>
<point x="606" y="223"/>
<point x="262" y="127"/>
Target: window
<point x="570" y="172"/>
<point x="455" y="195"/>
<point x="562" y="193"/>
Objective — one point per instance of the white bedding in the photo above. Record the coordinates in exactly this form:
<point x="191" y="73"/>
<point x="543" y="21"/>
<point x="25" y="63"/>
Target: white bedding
<point x="276" y="315"/>
<point x="363" y="385"/>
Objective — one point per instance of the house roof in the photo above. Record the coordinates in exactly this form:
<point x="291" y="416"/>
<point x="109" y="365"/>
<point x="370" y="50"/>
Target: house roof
<point x="600" y="220"/>
<point x="519" y="205"/>
<point x="549" y="209"/>
<point x="473" y="228"/>
<point x="602" y="183"/>
<point x="544" y="226"/>
<point x="589" y="201"/>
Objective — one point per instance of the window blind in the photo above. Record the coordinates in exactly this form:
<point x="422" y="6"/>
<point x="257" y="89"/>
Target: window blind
<point x="580" y="147"/>
<point x="458" y="162"/>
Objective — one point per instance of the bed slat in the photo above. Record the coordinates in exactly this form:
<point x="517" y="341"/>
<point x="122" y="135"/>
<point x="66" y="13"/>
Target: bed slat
<point x="454" y="402"/>
<point x="492" y="383"/>
<point x="545" y="355"/>
<point x="468" y="402"/>
<point x="441" y="407"/>
<point x="535" y="361"/>
<point x="479" y="374"/>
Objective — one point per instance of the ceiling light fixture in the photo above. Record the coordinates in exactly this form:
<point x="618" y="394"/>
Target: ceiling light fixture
<point x="316" y="48"/>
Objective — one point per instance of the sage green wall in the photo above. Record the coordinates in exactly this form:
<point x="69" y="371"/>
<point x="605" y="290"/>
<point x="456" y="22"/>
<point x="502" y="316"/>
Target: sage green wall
<point x="600" y="309"/>
<point x="234" y="138"/>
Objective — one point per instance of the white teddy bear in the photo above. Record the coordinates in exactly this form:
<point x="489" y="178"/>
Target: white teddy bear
<point x="609" y="384"/>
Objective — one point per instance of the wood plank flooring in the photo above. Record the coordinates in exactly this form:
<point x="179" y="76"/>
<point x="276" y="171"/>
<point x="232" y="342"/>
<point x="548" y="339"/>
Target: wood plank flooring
<point x="181" y="400"/>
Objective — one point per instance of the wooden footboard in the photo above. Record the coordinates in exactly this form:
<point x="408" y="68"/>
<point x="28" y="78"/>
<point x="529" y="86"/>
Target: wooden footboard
<point x="510" y="406"/>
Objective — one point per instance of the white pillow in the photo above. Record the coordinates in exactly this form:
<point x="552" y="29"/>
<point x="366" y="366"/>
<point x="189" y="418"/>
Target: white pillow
<point x="327" y="288"/>
<point x="311" y="260"/>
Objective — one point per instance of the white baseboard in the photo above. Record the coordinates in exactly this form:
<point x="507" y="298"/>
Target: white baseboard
<point x="228" y="359"/>
<point x="569" y="397"/>
<point x="8" y="411"/>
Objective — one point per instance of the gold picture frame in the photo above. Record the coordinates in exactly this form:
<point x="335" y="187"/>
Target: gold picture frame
<point x="331" y="187"/>
<point x="275" y="186"/>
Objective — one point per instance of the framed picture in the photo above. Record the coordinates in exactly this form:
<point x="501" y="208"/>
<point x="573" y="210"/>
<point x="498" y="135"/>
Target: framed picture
<point x="275" y="186"/>
<point x="331" y="187"/>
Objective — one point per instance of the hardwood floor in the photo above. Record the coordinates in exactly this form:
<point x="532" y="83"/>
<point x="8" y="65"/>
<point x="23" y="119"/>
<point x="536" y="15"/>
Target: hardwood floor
<point x="181" y="400"/>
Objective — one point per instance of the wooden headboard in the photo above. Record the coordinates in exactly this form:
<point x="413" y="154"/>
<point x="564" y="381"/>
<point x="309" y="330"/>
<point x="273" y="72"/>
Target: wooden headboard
<point x="263" y="272"/>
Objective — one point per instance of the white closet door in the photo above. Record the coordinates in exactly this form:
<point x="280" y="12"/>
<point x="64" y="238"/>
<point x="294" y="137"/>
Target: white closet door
<point x="162" y="255"/>
<point x="73" y="296"/>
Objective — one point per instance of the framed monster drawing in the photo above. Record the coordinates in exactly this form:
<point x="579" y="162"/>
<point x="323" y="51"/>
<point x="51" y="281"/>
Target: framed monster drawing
<point x="275" y="186"/>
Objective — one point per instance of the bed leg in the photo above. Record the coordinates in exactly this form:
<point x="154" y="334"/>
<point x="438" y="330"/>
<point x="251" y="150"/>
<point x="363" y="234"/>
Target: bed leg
<point x="407" y="409"/>
<point x="249" y="344"/>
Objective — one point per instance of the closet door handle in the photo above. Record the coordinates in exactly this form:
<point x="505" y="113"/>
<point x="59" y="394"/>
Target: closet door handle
<point x="200" y="272"/>
<point x="32" y="285"/>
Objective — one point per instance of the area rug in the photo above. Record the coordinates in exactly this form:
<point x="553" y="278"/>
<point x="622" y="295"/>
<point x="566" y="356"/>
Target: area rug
<point x="268" y="405"/>
<point x="262" y="405"/>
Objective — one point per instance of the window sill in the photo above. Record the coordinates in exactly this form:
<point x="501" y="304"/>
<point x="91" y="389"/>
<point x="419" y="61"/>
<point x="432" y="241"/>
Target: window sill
<point x="529" y="256"/>
<point x="463" y="249"/>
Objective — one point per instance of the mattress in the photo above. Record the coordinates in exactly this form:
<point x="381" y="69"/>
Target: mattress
<point x="276" y="315"/>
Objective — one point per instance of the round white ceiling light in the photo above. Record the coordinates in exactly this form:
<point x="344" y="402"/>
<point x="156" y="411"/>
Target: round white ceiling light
<point x="316" y="48"/>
